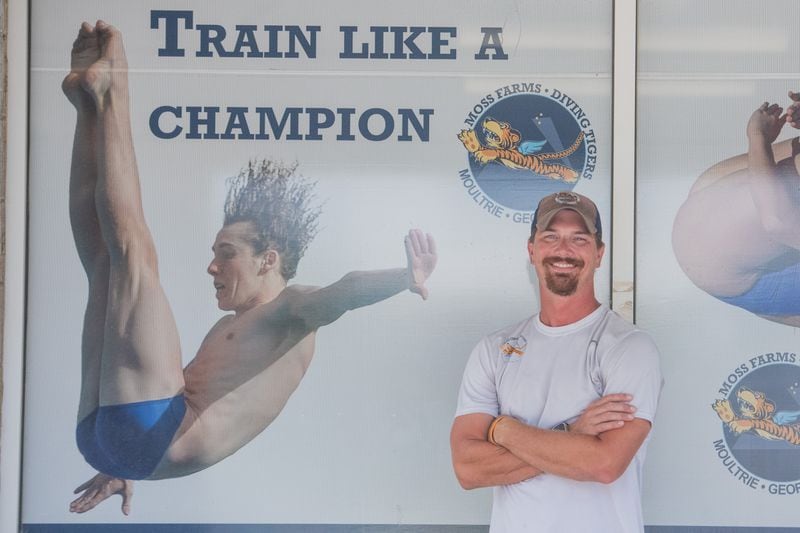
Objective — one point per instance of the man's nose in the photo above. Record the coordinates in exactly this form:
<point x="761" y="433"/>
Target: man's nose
<point x="563" y="245"/>
<point x="212" y="268"/>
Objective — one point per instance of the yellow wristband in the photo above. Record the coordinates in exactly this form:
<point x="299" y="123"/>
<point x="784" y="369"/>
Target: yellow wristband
<point x="490" y="436"/>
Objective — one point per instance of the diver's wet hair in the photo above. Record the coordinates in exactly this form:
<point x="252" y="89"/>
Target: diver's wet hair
<point x="278" y="202"/>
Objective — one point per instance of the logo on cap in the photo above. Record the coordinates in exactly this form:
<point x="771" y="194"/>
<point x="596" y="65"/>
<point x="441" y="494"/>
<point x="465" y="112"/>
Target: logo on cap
<point x="567" y="198"/>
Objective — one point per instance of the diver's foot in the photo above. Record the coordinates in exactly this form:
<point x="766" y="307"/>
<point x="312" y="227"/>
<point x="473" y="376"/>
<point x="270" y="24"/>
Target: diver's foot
<point x="85" y="52"/>
<point x="110" y="70"/>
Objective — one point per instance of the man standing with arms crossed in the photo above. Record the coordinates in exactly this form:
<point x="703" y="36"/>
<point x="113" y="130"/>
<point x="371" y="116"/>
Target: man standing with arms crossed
<point x="523" y="425"/>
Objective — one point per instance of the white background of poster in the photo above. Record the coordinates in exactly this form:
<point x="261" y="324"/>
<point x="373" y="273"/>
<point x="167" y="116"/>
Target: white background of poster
<point x="704" y="67"/>
<point x="365" y="437"/>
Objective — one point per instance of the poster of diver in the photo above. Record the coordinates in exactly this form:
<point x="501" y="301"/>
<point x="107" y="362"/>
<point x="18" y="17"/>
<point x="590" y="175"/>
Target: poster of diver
<point x="264" y="241"/>
<point x="718" y="170"/>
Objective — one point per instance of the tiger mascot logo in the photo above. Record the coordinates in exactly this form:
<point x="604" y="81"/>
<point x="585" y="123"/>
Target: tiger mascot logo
<point x="758" y="414"/>
<point x="504" y="145"/>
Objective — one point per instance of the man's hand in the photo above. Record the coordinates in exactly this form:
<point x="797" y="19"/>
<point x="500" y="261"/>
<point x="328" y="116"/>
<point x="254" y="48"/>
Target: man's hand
<point x="421" y="255"/>
<point x="609" y="412"/>
<point x="100" y="488"/>
<point x="793" y="111"/>
<point x="766" y="123"/>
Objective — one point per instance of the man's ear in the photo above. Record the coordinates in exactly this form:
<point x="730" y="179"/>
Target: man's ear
<point x="600" y="252"/>
<point x="269" y="260"/>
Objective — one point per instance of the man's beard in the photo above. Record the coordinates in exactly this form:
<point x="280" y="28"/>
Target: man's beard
<point x="562" y="284"/>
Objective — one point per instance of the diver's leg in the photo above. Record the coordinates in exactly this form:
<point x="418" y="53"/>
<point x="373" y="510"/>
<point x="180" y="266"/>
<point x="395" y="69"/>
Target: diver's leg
<point x="141" y="351"/>
<point x="83" y="218"/>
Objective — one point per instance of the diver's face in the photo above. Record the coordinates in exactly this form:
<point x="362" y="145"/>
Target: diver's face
<point x="235" y="268"/>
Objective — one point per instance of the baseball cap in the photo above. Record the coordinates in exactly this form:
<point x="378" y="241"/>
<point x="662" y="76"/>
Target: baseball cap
<point x="553" y="203"/>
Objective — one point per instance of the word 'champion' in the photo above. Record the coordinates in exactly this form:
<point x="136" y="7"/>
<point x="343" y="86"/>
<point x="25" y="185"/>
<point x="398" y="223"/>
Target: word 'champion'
<point x="291" y="123"/>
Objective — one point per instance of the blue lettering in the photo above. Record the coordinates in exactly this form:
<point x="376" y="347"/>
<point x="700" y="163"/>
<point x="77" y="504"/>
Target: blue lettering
<point x="379" y="53"/>
<point x="374" y="124"/>
<point x="195" y="122"/>
<point x="438" y="41"/>
<point x="212" y="37"/>
<point x="155" y="117"/>
<point x="348" y="53"/>
<point x="492" y="40"/>
<point x="171" y="19"/>
<point x="296" y="36"/>
<point x="408" y="42"/>
<point x="403" y="45"/>
<point x="290" y="114"/>
<point x="247" y="37"/>
<point x="237" y="120"/>
<point x="409" y="117"/>
<point x="363" y="124"/>
<point x="346" y="113"/>
<point x="316" y="122"/>
<point x="212" y="34"/>
<point x="272" y="33"/>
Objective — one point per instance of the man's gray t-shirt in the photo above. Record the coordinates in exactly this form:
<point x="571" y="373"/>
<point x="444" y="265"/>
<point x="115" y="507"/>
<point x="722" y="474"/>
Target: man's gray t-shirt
<point x="545" y="375"/>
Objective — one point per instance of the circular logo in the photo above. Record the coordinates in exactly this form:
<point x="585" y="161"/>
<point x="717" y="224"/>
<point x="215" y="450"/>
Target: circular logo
<point x="764" y="436"/>
<point x="526" y="141"/>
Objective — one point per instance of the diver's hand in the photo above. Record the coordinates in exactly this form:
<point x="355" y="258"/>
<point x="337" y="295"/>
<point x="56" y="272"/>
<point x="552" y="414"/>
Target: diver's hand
<point x="100" y="488"/>
<point x="766" y="123"/>
<point x="421" y="255"/>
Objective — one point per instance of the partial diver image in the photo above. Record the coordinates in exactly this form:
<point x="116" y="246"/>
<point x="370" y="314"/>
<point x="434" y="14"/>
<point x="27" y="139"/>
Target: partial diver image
<point x="736" y="236"/>
<point x="141" y="415"/>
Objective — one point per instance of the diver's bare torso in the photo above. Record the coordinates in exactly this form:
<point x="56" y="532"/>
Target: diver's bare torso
<point x="241" y="378"/>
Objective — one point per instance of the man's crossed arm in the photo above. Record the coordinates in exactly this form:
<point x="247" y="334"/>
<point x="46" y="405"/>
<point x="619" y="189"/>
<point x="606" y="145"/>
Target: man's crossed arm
<point x="599" y="446"/>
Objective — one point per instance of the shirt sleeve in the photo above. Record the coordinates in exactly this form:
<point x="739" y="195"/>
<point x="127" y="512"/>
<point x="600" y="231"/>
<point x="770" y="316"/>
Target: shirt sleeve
<point x="478" y="393"/>
<point x="632" y="366"/>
